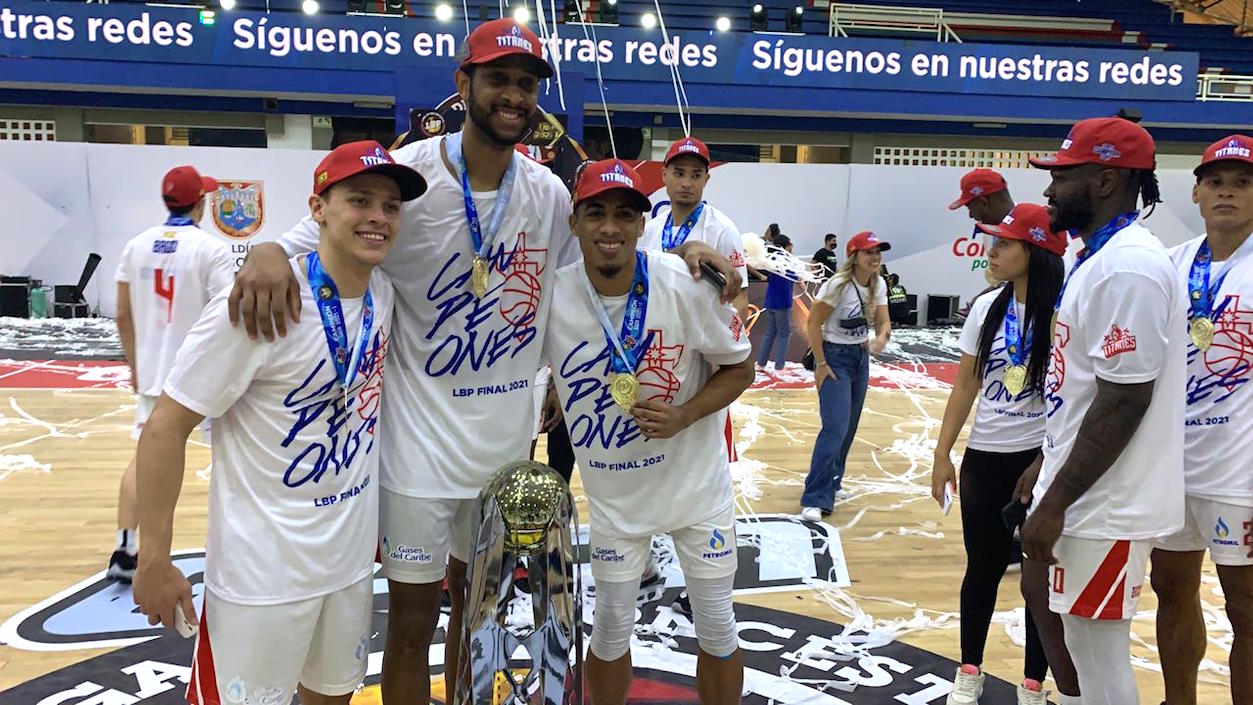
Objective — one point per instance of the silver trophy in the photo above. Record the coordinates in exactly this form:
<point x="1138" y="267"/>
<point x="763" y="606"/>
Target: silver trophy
<point x="526" y="511"/>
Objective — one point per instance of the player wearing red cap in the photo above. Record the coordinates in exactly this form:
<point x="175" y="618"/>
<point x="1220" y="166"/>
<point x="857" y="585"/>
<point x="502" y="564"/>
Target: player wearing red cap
<point x="293" y="502"/>
<point x="643" y="359"/>
<point x="473" y="276"/>
<point x="1111" y="481"/>
<point x="985" y="194"/>
<point x="1218" y="441"/>
<point x="1005" y="359"/>
<point x="165" y="276"/>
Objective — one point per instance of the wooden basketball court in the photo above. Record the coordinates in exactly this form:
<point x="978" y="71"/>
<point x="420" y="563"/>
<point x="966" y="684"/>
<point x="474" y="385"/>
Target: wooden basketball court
<point x="62" y="451"/>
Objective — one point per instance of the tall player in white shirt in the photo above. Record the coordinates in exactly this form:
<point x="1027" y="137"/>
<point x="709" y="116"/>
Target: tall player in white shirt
<point x="1112" y="474"/>
<point x="165" y="277"/>
<point x="293" y="502"/>
<point x="467" y="349"/>
<point x="1218" y="441"/>
<point x="643" y="358"/>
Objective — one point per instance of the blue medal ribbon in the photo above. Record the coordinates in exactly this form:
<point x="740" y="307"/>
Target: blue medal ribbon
<point x="1094" y="245"/>
<point x="333" y="324"/>
<point x="1201" y="294"/>
<point x="669" y="240"/>
<point x="628" y="345"/>
<point x="176" y="221"/>
<point x="1016" y="345"/>
<point x="481" y="238"/>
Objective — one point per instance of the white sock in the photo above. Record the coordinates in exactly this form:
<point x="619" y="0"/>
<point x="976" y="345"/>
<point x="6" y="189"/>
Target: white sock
<point x="128" y="540"/>
<point x="1101" y="651"/>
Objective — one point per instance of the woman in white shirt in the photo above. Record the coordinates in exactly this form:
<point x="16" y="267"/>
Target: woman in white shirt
<point x="846" y="307"/>
<point x="1005" y="347"/>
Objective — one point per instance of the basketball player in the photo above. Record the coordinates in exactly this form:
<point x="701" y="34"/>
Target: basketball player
<point x="985" y="194"/>
<point x="293" y="502"/>
<point x="644" y="358"/>
<point x="1217" y="270"/>
<point x="1112" y="475"/>
<point x="175" y="268"/>
<point x="473" y="276"/>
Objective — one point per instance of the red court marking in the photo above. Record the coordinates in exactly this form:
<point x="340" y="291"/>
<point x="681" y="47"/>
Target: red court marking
<point x="63" y="374"/>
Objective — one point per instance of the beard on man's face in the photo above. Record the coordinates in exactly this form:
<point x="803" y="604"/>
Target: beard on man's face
<point x="481" y="115"/>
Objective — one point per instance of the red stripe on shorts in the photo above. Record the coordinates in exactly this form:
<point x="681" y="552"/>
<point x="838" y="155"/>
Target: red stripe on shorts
<point x="732" y="455"/>
<point x="1092" y="599"/>
<point x="202" y="689"/>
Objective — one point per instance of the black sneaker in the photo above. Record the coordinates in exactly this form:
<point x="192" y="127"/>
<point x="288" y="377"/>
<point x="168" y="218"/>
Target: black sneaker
<point x="682" y="604"/>
<point x="651" y="588"/>
<point x="121" y="566"/>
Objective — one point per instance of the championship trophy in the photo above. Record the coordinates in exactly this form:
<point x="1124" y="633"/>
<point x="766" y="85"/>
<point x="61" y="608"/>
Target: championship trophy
<point x="526" y="511"/>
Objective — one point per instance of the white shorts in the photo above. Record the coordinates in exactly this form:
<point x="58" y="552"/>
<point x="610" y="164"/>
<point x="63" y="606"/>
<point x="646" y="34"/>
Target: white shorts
<point x="258" y="653"/>
<point x="705" y="550"/>
<point x="1098" y="579"/>
<point x="417" y="535"/>
<point x="1225" y="529"/>
<point x="144" y="405"/>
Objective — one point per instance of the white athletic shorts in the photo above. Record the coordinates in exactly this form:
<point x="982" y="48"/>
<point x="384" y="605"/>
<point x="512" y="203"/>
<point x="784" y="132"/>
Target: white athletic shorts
<point x="144" y="405"/>
<point x="705" y="550"/>
<point x="417" y="535"/>
<point x="1098" y="578"/>
<point x="1225" y="529"/>
<point x="258" y="653"/>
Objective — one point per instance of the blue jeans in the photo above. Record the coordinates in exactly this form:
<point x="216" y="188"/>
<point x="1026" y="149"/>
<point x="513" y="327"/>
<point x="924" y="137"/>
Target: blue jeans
<point x="839" y="405"/>
<point x="778" y="328"/>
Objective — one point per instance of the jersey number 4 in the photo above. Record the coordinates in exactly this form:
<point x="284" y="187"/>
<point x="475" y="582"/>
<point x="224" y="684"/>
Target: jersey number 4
<point x="164" y="286"/>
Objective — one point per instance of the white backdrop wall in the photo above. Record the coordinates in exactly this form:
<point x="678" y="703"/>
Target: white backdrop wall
<point x="62" y="200"/>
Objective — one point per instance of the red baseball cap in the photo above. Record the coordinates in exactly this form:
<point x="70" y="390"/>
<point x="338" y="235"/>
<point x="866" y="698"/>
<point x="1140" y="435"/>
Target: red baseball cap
<point x="1112" y="142"/>
<point x="1029" y="223"/>
<point x="865" y="240"/>
<point x="505" y="37"/>
<point x="1233" y="148"/>
<point x="980" y="182"/>
<point x="687" y="145"/>
<point x="183" y="186"/>
<point x="366" y="156"/>
<point x="608" y="175"/>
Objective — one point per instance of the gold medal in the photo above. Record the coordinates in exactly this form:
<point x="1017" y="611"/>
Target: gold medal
<point x="1202" y="332"/>
<point x="478" y="276"/>
<point x="1015" y="379"/>
<point x="625" y="389"/>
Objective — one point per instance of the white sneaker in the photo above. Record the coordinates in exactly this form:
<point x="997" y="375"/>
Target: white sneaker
<point x="842" y="494"/>
<point x="967" y="686"/>
<point x="1027" y="696"/>
<point x="811" y="514"/>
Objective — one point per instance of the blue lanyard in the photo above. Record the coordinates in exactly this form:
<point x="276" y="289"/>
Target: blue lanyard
<point x="1015" y="345"/>
<point x="1200" y="294"/>
<point x="1095" y="243"/>
<point x="333" y="324"/>
<point x="175" y="221"/>
<point x="669" y="240"/>
<point x="481" y="239"/>
<point x="627" y="345"/>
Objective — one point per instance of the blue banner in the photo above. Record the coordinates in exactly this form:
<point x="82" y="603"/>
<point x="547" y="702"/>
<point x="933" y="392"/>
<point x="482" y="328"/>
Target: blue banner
<point x="288" y="40"/>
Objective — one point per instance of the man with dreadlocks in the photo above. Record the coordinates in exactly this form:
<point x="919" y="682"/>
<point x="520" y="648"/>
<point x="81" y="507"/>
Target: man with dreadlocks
<point x="1112" y="474"/>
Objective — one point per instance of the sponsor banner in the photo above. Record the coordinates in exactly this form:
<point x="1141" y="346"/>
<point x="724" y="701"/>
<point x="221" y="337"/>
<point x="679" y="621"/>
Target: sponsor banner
<point x="290" y="40"/>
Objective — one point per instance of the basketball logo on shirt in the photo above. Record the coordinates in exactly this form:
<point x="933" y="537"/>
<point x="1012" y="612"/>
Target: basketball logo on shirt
<point x="519" y="297"/>
<point x="1057" y="370"/>
<point x="1225" y="366"/>
<point x="656" y="374"/>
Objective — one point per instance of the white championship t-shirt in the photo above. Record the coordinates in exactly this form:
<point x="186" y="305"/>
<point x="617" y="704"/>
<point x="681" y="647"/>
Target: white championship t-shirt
<point x="713" y="228"/>
<point x="1004" y="423"/>
<point x="1218" y="436"/>
<point x="459" y="403"/>
<point x="293" y="502"/>
<point x="1123" y="318"/>
<point x="851" y="301"/>
<point x="637" y="486"/>
<point x="172" y="271"/>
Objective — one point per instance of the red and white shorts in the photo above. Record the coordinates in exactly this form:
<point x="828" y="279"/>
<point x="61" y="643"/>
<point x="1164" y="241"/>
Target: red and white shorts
<point x="1225" y="528"/>
<point x="258" y="653"/>
<point x="1098" y="578"/>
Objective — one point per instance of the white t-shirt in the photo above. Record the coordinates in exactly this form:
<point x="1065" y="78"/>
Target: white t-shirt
<point x="459" y="404"/>
<point x="172" y="272"/>
<point x="847" y="302"/>
<point x="1218" y="436"/>
<point x="713" y="228"/>
<point x="1003" y="423"/>
<point x="1123" y="318"/>
<point x="293" y="503"/>
<point x="636" y="486"/>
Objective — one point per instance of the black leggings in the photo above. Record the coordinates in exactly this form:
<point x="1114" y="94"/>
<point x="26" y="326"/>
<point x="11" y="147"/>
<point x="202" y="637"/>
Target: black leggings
<point x="560" y="452"/>
<point x="987" y="485"/>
